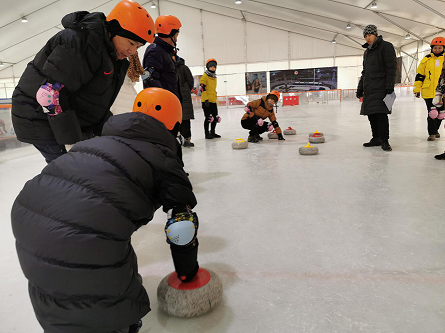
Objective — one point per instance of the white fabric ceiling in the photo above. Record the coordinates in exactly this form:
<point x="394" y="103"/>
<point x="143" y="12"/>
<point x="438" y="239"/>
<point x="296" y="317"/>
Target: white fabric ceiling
<point x="272" y="31"/>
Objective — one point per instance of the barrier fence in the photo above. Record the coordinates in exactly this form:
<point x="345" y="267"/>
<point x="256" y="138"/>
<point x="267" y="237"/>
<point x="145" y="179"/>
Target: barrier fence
<point x="304" y="97"/>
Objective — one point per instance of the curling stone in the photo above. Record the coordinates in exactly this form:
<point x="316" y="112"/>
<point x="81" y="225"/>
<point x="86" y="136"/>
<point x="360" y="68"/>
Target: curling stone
<point x="316" y="137"/>
<point x="290" y="131"/>
<point x="189" y="299"/>
<point x="240" y="144"/>
<point x="308" y="150"/>
<point x="272" y="135"/>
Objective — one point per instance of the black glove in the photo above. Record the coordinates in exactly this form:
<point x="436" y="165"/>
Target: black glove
<point x="389" y="91"/>
<point x="280" y="136"/>
<point x="417" y="94"/>
<point x="206" y="103"/>
<point x="359" y="93"/>
<point x="185" y="259"/>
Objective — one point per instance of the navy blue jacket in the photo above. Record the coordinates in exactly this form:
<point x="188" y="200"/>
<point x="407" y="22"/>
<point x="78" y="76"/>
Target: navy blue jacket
<point x="73" y="224"/>
<point x="159" y="63"/>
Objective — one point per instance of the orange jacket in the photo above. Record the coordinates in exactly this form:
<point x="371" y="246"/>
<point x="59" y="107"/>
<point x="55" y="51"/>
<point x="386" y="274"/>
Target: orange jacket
<point x="261" y="109"/>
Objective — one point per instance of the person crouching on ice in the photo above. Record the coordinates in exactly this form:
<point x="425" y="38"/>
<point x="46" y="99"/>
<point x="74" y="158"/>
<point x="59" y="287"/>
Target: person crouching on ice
<point x="256" y="112"/>
<point x="73" y="223"/>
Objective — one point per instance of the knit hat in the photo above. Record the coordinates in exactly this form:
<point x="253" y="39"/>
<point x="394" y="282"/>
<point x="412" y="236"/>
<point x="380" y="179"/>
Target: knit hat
<point x="115" y="28"/>
<point x="370" y="30"/>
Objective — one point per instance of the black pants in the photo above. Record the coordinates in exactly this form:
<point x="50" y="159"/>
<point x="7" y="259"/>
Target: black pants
<point x="379" y="126"/>
<point x="433" y="124"/>
<point x="51" y="152"/>
<point x="250" y="124"/>
<point x="211" y="110"/>
<point x="186" y="129"/>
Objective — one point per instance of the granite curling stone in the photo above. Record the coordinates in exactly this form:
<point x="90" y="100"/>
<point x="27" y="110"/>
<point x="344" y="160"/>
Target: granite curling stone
<point x="189" y="299"/>
<point x="316" y="137"/>
<point x="308" y="150"/>
<point x="240" y="144"/>
<point x="272" y="135"/>
<point x="289" y="131"/>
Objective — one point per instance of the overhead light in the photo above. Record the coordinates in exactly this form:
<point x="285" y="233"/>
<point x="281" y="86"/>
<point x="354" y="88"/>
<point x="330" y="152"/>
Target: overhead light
<point x="374" y="5"/>
<point x="407" y="36"/>
<point x="1" y="64"/>
<point x="24" y="19"/>
<point x="153" y="5"/>
<point x="348" y="26"/>
<point x="334" y="41"/>
<point x="238" y="2"/>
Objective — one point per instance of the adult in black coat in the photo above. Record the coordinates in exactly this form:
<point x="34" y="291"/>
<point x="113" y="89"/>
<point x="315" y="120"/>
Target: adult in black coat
<point x="377" y="81"/>
<point x="82" y="69"/>
<point x="160" y="69"/>
<point x="186" y="83"/>
<point x="73" y="223"/>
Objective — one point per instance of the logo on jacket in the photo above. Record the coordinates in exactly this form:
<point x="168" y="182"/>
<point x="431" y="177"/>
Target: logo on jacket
<point x="105" y="72"/>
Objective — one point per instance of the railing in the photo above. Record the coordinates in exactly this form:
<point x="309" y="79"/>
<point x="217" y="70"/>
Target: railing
<point x="306" y="97"/>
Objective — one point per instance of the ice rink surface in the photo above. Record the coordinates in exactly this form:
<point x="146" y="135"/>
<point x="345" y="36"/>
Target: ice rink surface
<point x="350" y="240"/>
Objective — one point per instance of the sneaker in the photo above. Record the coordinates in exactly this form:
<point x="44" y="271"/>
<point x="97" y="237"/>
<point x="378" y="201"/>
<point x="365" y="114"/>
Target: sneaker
<point x="209" y="136"/>
<point x="216" y="136"/>
<point x="386" y="146"/>
<point x="260" y="138"/>
<point x="437" y="136"/>
<point x="431" y="137"/>
<point x="188" y="144"/>
<point x="373" y="143"/>
<point x="440" y="157"/>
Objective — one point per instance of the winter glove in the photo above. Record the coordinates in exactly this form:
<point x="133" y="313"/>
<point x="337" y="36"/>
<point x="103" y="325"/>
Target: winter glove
<point x="417" y="94"/>
<point x="389" y="91"/>
<point x="433" y="113"/>
<point x="441" y="115"/>
<point x="270" y="127"/>
<point x="280" y="136"/>
<point x="48" y="97"/>
<point x="260" y="122"/>
<point x="437" y="101"/>
<point x="218" y="119"/>
<point x="247" y="109"/>
<point x="210" y="119"/>
<point x="206" y="103"/>
<point x="359" y="93"/>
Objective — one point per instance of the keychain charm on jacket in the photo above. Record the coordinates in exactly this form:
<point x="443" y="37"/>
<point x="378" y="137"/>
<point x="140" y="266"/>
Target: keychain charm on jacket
<point x="48" y="97"/>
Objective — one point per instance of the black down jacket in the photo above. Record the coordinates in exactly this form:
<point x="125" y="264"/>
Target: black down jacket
<point x="186" y="82"/>
<point x="73" y="224"/>
<point x="378" y="76"/>
<point x="159" y="63"/>
<point x="83" y="58"/>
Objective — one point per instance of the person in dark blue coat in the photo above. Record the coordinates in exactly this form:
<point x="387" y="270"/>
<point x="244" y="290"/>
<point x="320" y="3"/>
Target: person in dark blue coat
<point x="66" y="92"/>
<point x="160" y="68"/>
<point x="73" y="223"/>
<point x="377" y="81"/>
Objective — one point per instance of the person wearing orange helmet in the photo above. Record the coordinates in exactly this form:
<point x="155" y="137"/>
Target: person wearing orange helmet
<point x="256" y="112"/>
<point x="160" y="69"/>
<point x="73" y="223"/>
<point x="426" y="82"/>
<point x="209" y="98"/>
<point x="66" y="91"/>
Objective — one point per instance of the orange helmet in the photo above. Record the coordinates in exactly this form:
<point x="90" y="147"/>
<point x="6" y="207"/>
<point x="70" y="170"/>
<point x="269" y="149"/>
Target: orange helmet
<point x="211" y="59"/>
<point x="160" y="104"/>
<point x="134" y="18"/>
<point x="276" y="93"/>
<point x="165" y="25"/>
<point x="438" y="41"/>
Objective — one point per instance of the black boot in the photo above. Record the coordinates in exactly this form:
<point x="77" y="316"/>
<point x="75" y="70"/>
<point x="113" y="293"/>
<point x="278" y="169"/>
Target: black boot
<point x="209" y="136"/>
<point x="188" y="143"/>
<point x="386" y="146"/>
<point x="373" y="143"/>
<point x="253" y="138"/>
<point x="440" y="157"/>
<point x="213" y="126"/>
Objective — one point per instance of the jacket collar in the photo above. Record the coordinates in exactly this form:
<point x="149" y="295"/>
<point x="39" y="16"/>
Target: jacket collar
<point x="373" y="45"/>
<point x="166" y="46"/>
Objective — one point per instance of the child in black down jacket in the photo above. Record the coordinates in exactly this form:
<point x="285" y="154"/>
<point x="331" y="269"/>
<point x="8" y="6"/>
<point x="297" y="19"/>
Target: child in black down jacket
<point x="73" y="222"/>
